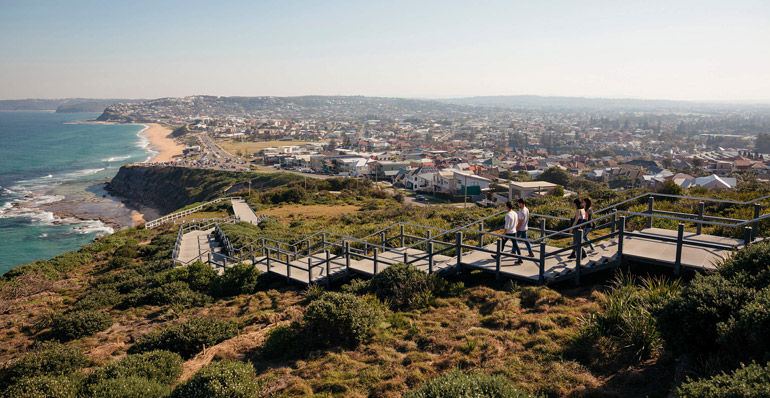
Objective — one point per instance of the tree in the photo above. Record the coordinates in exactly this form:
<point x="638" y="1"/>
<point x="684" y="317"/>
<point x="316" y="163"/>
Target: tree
<point x="697" y="162"/>
<point x="762" y="144"/>
<point x="555" y="175"/>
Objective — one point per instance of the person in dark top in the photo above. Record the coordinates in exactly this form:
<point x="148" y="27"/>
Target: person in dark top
<point x="589" y="217"/>
<point x="580" y="217"/>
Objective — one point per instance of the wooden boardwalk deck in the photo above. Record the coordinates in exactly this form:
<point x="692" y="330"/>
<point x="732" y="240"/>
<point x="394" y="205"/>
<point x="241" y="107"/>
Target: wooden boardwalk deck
<point x="651" y="250"/>
<point x="243" y="211"/>
<point x="197" y="243"/>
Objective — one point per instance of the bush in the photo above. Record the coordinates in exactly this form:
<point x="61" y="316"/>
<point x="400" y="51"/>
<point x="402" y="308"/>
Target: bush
<point x="127" y="387"/>
<point x="400" y="285"/>
<point x="224" y="379"/>
<point x="174" y="293"/>
<point x="197" y="275"/>
<point x="240" y="279"/>
<point x="282" y="342"/>
<point x="188" y="338"/>
<point x="76" y="324"/>
<point x="46" y="359"/>
<point x="473" y="385"/>
<point x="340" y="319"/>
<point x="749" y="266"/>
<point x="43" y="387"/>
<point x="162" y="366"/>
<point x="97" y="299"/>
<point x="752" y="381"/>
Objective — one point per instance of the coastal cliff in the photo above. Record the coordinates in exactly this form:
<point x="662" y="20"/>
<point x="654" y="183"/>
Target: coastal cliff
<point x="169" y="188"/>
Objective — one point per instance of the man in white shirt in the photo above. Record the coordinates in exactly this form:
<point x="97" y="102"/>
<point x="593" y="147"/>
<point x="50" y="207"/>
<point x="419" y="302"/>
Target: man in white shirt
<point x="523" y="227"/>
<point x="511" y="223"/>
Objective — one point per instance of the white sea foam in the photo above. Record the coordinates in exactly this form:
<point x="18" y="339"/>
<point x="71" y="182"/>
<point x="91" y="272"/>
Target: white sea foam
<point x="116" y="158"/>
<point x="144" y="143"/>
<point x="47" y="177"/>
<point x="94" y="227"/>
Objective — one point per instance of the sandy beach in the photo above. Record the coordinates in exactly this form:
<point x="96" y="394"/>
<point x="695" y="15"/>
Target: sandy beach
<point x="160" y="139"/>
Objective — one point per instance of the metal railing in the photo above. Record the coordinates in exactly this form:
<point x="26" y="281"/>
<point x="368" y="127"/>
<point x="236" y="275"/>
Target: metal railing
<point x="183" y="213"/>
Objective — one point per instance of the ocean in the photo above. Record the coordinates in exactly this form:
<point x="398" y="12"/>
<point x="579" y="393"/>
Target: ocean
<point x="52" y="174"/>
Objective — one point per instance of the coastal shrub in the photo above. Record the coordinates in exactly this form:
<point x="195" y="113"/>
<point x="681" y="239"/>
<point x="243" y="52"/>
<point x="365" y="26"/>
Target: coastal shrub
<point x="186" y="339"/>
<point x="43" y="387"/>
<point x="70" y="260"/>
<point x="694" y="321"/>
<point x="626" y="314"/>
<point x="127" y="387"/>
<point x="400" y="284"/>
<point x="239" y="279"/>
<point x="749" y="267"/>
<point x="97" y="299"/>
<point x="752" y="381"/>
<point x="223" y="379"/>
<point x="161" y="366"/>
<point x="119" y="262"/>
<point x="45" y="359"/>
<point x="283" y="342"/>
<point x="128" y="249"/>
<point x="76" y="324"/>
<point x="197" y="275"/>
<point x="468" y="385"/>
<point x="174" y="293"/>
<point x="341" y="319"/>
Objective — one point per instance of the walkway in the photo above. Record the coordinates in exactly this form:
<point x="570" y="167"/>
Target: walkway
<point x="244" y="212"/>
<point x="197" y="245"/>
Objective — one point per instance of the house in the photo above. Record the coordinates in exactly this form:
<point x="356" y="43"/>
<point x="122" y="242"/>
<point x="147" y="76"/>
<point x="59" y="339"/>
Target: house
<point x="711" y="182"/>
<point x="527" y="189"/>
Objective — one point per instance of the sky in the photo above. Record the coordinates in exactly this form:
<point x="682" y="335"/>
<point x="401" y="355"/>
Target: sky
<point x="652" y="49"/>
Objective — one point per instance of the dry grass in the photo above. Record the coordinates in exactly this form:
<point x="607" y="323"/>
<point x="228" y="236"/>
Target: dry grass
<point x="247" y="148"/>
<point x="311" y="211"/>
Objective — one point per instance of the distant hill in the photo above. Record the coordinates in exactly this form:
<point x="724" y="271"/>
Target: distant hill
<point x="536" y="101"/>
<point x="62" y="105"/>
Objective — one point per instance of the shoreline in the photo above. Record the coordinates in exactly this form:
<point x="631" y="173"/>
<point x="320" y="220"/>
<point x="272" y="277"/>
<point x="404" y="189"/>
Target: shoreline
<point x="162" y="143"/>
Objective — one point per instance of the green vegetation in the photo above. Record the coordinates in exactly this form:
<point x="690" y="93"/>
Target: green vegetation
<point x="224" y="379"/>
<point x="474" y="385"/>
<point x="46" y="359"/>
<point x="333" y="320"/>
<point x="77" y="324"/>
<point x="127" y="387"/>
<point x="751" y="381"/>
<point x="43" y="387"/>
<point x="161" y="366"/>
<point x="188" y="338"/>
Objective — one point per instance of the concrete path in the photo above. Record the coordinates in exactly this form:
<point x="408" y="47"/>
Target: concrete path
<point x="197" y="243"/>
<point x="244" y="212"/>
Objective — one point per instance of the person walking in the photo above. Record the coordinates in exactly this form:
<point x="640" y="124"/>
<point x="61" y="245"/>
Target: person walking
<point x="523" y="227"/>
<point x="589" y="217"/>
<point x="580" y="217"/>
<point x="511" y="222"/>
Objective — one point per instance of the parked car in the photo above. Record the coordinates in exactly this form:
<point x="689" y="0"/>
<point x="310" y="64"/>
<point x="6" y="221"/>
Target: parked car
<point x="421" y="197"/>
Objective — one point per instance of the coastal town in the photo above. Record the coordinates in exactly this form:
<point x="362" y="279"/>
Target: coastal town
<point x="448" y="152"/>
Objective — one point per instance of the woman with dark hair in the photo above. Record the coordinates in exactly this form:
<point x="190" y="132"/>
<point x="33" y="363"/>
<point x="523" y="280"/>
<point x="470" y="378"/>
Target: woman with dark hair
<point x="589" y="216"/>
<point x="580" y="217"/>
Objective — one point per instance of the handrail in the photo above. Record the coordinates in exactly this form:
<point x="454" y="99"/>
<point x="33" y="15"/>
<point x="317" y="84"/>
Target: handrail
<point x="173" y="216"/>
<point x="665" y="195"/>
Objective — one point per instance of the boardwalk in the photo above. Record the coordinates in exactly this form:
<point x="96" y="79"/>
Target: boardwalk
<point x="195" y="244"/>
<point x="244" y="212"/>
<point x="648" y="249"/>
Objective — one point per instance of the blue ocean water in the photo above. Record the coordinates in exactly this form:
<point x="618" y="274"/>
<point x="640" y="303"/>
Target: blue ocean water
<point x="47" y="160"/>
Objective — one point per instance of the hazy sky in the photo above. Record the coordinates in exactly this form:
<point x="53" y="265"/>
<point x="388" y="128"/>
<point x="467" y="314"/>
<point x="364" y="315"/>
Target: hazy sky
<point x="670" y="49"/>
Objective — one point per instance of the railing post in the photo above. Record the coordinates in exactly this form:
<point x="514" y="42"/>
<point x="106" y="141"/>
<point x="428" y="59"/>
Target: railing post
<point x="497" y="259"/>
<point x="481" y="234"/>
<point x="755" y="226"/>
<point x="309" y="269"/>
<point x="382" y="238"/>
<point x="459" y="239"/>
<point x="402" y="236"/>
<point x="621" y="234"/>
<point x="614" y="221"/>
<point x="541" y="273"/>
<point x="328" y="275"/>
<point x="295" y="252"/>
<point x="406" y="257"/>
<point x="224" y="262"/>
<point x="267" y="258"/>
<point x="650" y="205"/>
<point x="699" y="227"/>
<point x="679" y="243"/>
<point x="308" y="246"/>
<point x="209" y="262"/>
<point x="542" y="228"/>
<point x="430" y="257"/>
<point x="323" y="241"/>
<point x="578" y="240"/>
<point x="375" y="261"/>
<point x="347" y="260"/>
<point x="747" y="236"/>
